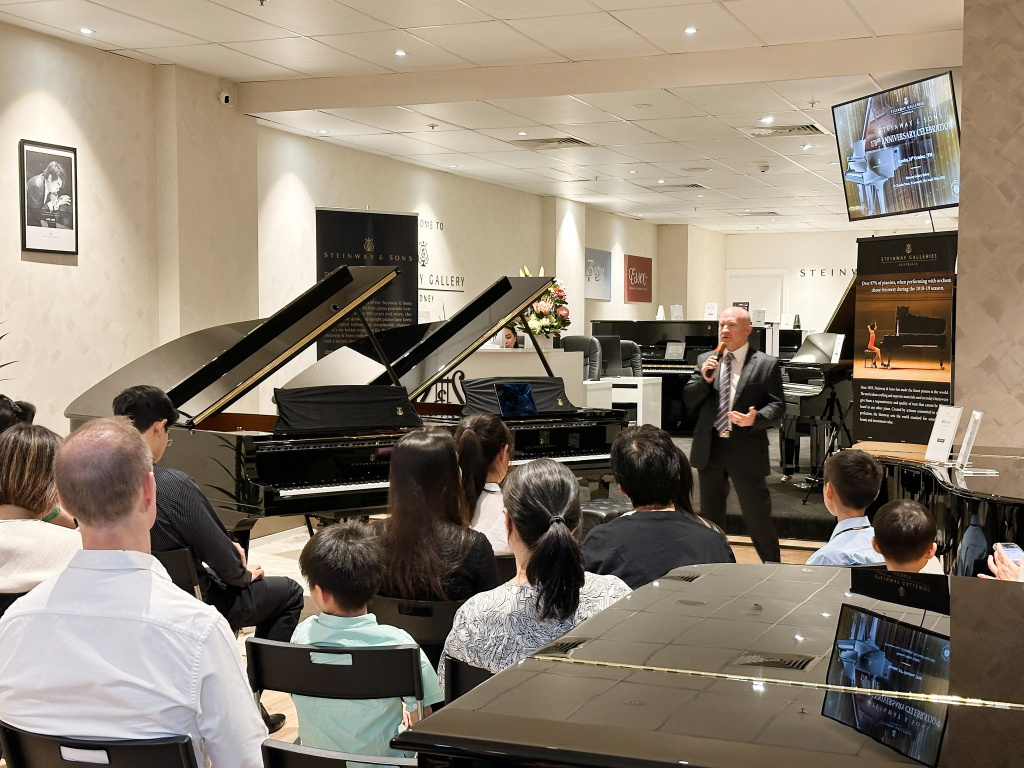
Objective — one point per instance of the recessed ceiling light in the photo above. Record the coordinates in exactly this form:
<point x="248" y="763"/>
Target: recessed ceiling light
<point x="453" y="166"/>
<point x="522" y="133"/>
<point x="690" y="30"/>
<point x="640" y="106"/>
<point x="632" y="171"/>
<point x="322" y="132"/>
<point x="640" y="215"/>
<point x="700" y="195"/>
<point x="86" y="31"/>
<point x="834" y="162"/>
<point x="399" y="52"/>
<point x="746" y="210"/>
<point x="807" y="146"/>
<point x="661" y="181"/>
<point x="768" y="120"/>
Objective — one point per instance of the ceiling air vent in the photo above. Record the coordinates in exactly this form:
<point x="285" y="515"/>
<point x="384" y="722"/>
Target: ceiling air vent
<point x="795" y="661"/>
<point x="773" y="131"/>
<point x="750" y="214"/>
<point x="556" y="143"/>
<point x="673" y="187"/>
<point x="563" y="647"/>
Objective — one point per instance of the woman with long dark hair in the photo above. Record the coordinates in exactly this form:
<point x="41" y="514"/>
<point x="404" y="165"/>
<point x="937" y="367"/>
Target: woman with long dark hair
<point x="551" y="593"/>
<point x="431" y="552"/>
<point x="484" y="445"/>
<point x="15" y="412"/>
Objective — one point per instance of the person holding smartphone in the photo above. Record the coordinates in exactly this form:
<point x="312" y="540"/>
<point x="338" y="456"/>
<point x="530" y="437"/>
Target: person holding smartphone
<point x="1004" y="562"/>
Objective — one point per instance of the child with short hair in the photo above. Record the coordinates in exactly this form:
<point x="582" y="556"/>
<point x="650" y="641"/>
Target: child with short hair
<point x="905" y="537"/>
<point x="344" y="566"/>
<point x="852" y="480"/>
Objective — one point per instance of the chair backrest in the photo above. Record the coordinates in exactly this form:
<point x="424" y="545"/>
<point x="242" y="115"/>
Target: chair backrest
<point x="630" y="356"/>
<point x="181" y="567"/>
<point x="428" y="621"/>
<point x="506" y="567"/>
<point x="281" y="754"/>
<point x="22" y="749"/>
<point x="591" y="349"/>
<point x="460" y="678"/>
<point x="367" y="673"/>
<point x="611" y="353"/>
<point x="7" y="600"/>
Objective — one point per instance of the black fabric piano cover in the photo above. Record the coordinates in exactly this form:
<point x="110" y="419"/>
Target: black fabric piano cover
<point x="548" y="394"/>
<point x="347" y="407"/>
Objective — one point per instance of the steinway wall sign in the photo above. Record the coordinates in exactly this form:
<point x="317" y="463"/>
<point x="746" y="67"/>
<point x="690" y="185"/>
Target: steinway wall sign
<point x="368" y="238"/>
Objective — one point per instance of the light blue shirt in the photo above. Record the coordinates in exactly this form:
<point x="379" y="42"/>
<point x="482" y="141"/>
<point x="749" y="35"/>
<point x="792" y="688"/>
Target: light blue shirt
<point x="849" y="544"/>
<point x="361" y="727"/>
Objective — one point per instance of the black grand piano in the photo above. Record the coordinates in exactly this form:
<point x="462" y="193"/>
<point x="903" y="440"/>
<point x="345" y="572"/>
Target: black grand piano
<point x="250" y="471"/>
<point x="916" y="332"/>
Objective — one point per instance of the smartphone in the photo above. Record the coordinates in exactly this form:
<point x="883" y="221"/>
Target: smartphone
<point x="1012" y="551"/>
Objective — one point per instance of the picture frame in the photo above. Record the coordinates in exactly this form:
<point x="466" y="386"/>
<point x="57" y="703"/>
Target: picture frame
<point x="48" y="180"/>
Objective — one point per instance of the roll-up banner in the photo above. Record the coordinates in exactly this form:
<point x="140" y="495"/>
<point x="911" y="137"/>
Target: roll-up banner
<point x="903" y="362"/>
<point x="371" y="239"/>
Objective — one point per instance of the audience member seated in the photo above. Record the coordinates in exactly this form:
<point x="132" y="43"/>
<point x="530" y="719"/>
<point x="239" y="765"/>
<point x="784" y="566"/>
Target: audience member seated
<point x="15" y="412"/>
<point x="1002" y="566"/>
<point x="905" y="537"/>
<point x="852" y="479"/>
<point x="31" y="549"/>
<point x="662" y="532"/>
<point x="111" y="648"/>
<point x="484" y="445"/>
<point x="185" y="518"/>
<point x="343" y="565"/>
<point x="430" y="550"/>
<point x="551" y="593"/>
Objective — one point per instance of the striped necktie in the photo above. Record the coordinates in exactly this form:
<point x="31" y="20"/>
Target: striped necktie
<point x="724" y="393"/>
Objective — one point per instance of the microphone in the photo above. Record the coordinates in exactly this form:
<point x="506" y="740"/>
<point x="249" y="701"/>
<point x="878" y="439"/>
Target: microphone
<point x="719" y="350"/>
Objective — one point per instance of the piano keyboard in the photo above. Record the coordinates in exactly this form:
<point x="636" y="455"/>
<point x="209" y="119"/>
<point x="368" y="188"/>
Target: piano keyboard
<point x="563" y="459"/>
<point x="803" y="390"/>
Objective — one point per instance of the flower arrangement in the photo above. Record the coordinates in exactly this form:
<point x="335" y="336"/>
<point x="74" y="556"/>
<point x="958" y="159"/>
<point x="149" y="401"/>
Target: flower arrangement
<point x="549" y="314"/>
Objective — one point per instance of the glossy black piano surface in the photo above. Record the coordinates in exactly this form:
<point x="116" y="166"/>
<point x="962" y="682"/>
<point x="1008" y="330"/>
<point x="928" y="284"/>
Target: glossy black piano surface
<point x="718" y="666"/>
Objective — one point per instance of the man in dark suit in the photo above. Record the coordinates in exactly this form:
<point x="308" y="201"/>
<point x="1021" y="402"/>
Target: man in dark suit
<point x="738" y="398"/>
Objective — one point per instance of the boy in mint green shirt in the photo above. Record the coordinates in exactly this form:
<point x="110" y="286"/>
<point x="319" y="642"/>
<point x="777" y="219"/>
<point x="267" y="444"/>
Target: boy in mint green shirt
<point x="344" y="566"/>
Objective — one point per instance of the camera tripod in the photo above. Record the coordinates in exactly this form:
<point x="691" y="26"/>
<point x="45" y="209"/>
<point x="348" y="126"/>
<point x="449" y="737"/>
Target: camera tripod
<point x="833" y="431"/>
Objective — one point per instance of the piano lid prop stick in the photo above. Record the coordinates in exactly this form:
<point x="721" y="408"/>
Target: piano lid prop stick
<point x="533" y="338"/>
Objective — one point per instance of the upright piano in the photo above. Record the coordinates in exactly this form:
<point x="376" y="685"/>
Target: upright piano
<point x="250" y="471"/>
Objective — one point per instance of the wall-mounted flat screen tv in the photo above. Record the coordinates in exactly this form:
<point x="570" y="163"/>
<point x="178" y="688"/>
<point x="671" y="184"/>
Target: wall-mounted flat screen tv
<point x="900" y="149"/>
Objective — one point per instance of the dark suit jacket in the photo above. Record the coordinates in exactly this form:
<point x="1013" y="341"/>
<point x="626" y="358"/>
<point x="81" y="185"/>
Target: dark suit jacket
<point x="760" y="387"/>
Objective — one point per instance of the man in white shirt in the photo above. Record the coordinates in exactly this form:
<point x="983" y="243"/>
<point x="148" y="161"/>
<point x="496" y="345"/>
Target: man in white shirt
<point x="852" y="479"/>
<point x="111" y="648"/>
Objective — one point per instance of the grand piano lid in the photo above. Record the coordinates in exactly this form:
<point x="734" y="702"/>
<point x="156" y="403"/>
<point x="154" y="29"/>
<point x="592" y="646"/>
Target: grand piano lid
<point x="206" y="371"/>
<point x="436" y="350"/>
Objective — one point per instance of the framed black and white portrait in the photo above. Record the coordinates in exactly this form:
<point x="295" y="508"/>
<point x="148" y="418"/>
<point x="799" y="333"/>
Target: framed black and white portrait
<point x="49" y="197"/>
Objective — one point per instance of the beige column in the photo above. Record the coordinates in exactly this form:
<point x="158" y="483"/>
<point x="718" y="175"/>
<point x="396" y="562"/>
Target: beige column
<point x="705" y="271"/>
<point x="564" y="230"/>
<point x="673" y="249"/>
<point x="989" y="364"/>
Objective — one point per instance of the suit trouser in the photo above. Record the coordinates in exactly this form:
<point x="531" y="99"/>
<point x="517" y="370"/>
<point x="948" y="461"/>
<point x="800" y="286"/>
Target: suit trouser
<point x="272" y="605"/>
<point x="746" y="474"/>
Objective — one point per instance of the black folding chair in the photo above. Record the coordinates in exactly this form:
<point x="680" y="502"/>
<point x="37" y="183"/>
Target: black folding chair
<point x="181" y="567"/>
<point x="22" y="749"/>
<point x="7" y="600"/>
<point x="460" y="678"/>
<point x="427" y="621"/>
<point x="506" y="567"/>
<point x="281" y="754"/>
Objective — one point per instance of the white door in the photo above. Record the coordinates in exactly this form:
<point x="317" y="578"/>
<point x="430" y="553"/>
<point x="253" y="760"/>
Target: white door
<point x="761" y="288"/>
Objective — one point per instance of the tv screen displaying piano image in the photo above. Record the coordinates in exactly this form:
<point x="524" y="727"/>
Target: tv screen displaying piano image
<point x="887" y="657"/>
<point x="900" y="149"/>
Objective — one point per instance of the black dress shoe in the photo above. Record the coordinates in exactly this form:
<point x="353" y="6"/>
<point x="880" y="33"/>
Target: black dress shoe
<point x="274" y="723"/>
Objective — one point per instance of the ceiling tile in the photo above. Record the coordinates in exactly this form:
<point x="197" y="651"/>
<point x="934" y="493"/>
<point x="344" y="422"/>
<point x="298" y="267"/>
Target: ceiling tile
<point x="734" y="99"/>
<point x="634" y="172"/>
<point x="823" y="92"/>
<point x="530" y="132"/>
<point x="617" y="132"/>
<point x="552" y="110"/>
<point x="460" y="161"/>
<point x="312" y="122"/>
<point x="418" y="13"/>
<point x="794" y="145"/>
<point x="471" y="114"/>
<point x="524" y="159"/>
<point x="397" y="119"/>
<point x="636" y="105"/>
<point x="117" y="29"/>
<point x="488" y="43"/>
<point x="587" y="155"/>
<point x="716" y="28"/>
<point x="527" y="9"/>
<point x="726" y="149"/>
<point x="307" y="17"/>
<point x="137" y="55"/>
<point x="759" y="193"/>
<point x="776" y="165"/>
<point x="900" y="17"/>
<point x="730" y="181"/>
<point x="557" y="174"/>
<point x="462" y="141"/>
<point x="394" y="144"/>
<point x="650" y="198"/>
<point x="658" y="153"/>
<point x="690" y="128"/>
<point x="222" y="62"/>
<point x="199" y="18"/>
<point x="779" y="22"/>
<point x="380" y="47"/>
<point x="753" y="119"/>
<point x="612" y="186"/>
<point x="508" y="175"/>
<point x="307" y="56"/>
<point x="586" y="36"/>
<point x="555" y="188"/>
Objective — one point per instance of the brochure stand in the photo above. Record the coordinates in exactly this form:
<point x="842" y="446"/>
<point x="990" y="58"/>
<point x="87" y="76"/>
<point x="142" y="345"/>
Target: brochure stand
<point x="940" y="444"/>
<point x="963" y="465"/>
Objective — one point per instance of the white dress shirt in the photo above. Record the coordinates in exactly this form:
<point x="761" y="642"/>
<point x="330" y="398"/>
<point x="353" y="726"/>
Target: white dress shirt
<point x="489" y="518"/>
<point x="739" y="357"/>
<point x="110" y="648"/>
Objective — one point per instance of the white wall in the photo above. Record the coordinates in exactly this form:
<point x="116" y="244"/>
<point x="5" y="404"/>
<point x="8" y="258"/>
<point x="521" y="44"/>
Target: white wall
<point x="621" y="235"/>
<point x="72" y="320"/>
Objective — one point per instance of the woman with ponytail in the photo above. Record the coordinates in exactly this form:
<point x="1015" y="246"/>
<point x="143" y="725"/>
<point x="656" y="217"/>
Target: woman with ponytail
<point x="484" y="445"/>
<point x="551" y="593"/>
<point x="15" y="412"/>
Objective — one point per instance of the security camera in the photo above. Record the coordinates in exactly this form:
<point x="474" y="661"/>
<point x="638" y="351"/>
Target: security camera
<point x="225" y="98"/>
